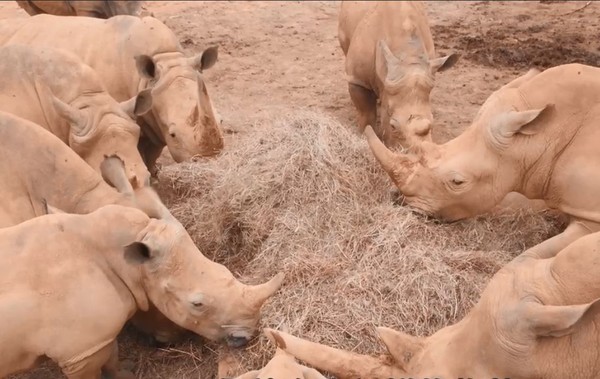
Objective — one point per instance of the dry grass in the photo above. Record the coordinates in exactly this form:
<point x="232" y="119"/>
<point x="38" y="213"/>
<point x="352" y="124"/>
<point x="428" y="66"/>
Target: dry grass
<point x="305" y="196"/>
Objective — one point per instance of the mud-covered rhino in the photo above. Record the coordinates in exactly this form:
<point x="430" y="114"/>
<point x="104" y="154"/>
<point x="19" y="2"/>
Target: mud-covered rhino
<point x="390" y="57"/>
<point x="537" y="318"/>
<point x="537" y="135"/>
<point x="131" y="54"/>
<point x="57" y="91"/>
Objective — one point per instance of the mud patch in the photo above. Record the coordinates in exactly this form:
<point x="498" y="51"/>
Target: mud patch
<point x="531" y="46"/>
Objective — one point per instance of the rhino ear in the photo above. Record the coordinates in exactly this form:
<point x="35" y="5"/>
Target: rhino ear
<point x="146" y="66"/>
<point x="558" y="320"/>
<point x="400" y="345"/>
<point x="443" y="63"/>
<point x="139" y="104"/>
<point x="75" y="117"/>
<point x="205" y="59"/>
<point x="507" y="124"/>
<point x="385" y="63"/>
<point x="138" y="253"/>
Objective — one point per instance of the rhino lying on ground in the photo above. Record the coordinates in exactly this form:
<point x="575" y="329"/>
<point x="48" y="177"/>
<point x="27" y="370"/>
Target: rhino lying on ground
<point x="390" y="56"/>
<point x="282" y="365"/>
<point x="537" y="318"/>
<point x="131" y="54"/>
<point x="54" y="89"/>
<point x="537" y="135"/>
<point x="38" y="169"/>
<point x="67" y="293"/>
<point x="98" y="8"/>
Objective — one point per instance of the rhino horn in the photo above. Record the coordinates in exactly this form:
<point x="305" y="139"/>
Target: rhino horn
<point x="398" y="166"/>
<point x="75" y="117"/>
<point x="342" y="364"/>
<point x="260" y="293"/>
<point x="113" y="172"/>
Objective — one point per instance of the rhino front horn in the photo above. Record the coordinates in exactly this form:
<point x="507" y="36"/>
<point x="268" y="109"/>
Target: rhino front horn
<point x="342" y="364"/>
<point x="398" y="166"/>
<point x="260" y="293"/>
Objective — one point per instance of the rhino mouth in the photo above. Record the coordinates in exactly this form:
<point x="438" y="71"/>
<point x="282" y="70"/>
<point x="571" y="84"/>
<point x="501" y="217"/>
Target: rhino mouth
<point x="238" y="338"/>
<point x="237" y="342"/>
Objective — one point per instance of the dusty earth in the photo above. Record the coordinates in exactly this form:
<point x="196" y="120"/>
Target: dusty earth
<point x="278" y="57"/>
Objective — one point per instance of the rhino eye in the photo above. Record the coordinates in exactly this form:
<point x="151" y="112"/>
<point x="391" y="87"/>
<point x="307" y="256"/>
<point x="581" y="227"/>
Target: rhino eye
<point x="456" y="182"/>
<point x="197" y="304"/>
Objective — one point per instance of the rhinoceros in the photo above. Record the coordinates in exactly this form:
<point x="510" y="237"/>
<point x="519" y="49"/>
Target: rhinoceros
<point x="38" y="169"/>
<point x="70" y="282"/>
<point x="54" y="89"/>
<point x="98" y="8"/>
<point x="131" y="54"/>
<point x="282" y="365"/>
<point x="390" y="57"/>
<point x="537" y="318"/>
<point x="536" y="135"/>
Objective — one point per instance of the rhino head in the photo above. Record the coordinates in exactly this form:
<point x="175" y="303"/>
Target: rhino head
<point x="518" y="329"/>
<point x="182" y="108"/>
<point x="99" y="127"/>
<point x="472" y="173"/>
<point x="194" y="292"/>
<point x="182" y="284"/>
<point x="407" y="81"/>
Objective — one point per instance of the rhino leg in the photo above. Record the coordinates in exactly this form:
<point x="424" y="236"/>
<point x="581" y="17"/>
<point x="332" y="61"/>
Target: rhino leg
<point x="92" y="366"/>
<point x="110" y="370"/>
<point x="550" y="247"/>
<point x="365" y="102"/>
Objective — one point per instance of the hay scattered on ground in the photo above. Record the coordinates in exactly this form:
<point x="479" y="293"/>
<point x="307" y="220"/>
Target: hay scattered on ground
<point x="305" y="196"/>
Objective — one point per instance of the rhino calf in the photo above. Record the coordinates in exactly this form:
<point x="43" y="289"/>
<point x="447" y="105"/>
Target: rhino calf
<point x="537" y="136"/>
<point x="67" y="293"/>
<point x="57" y="91"/>
<point x="537" y="318"/>
<point x="390" y="56"/>
<point x="98" y="8"/>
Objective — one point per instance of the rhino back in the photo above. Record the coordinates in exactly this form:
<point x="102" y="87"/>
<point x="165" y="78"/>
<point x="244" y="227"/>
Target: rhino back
<point x="30" y="76"/>
<point x="108" y="46"/>
<point x="571" y="88"/>
<point x="37" y="166"/>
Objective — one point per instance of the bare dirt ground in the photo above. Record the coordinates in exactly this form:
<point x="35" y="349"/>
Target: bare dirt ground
<point x="278" y="57"/>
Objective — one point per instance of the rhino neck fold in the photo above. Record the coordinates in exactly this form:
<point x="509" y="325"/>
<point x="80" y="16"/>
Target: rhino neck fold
<point x="538" y="174"/>
<point x="128" y="281"/>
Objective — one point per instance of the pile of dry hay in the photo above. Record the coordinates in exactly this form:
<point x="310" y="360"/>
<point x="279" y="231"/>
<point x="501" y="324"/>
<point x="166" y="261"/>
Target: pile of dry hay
<point x="306" y="197"/>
